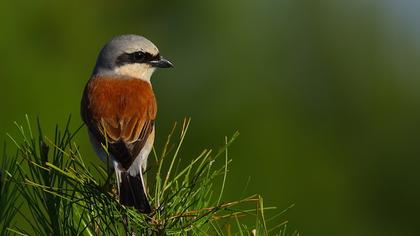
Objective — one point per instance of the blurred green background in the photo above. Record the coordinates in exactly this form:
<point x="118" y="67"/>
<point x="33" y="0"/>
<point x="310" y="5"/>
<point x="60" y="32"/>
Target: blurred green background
<point x="325" y="94"/>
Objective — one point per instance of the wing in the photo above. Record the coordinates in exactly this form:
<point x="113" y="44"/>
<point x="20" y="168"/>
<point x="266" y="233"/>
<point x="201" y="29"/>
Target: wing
<point x="120" y="112"/>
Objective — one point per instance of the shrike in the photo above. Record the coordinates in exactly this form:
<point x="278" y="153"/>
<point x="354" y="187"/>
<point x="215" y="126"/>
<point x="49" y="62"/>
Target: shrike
<point x="119" y="109"/>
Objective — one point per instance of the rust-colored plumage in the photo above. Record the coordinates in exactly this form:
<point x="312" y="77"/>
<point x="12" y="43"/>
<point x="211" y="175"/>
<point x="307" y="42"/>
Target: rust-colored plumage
<point x="119" y="108"/>
<point x="121" y="111"/>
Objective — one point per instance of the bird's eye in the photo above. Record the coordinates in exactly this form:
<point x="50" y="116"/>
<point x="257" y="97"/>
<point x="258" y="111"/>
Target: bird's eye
<point x="139" y="56"/>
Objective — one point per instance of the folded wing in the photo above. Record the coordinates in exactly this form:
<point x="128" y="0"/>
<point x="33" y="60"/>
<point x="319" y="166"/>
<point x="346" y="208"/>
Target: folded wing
<point x="120" y="112"/>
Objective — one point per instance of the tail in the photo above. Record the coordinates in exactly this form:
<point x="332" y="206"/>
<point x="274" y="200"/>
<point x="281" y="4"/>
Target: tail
<point x="133" y="192"/>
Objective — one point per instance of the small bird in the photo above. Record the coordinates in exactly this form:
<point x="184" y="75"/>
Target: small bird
<point x="119" y="109"/>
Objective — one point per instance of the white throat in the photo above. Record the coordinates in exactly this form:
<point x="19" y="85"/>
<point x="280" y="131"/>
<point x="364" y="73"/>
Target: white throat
<point x="140" y="71"/>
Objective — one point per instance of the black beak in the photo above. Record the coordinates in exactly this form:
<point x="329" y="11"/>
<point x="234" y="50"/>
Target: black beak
<point x="161" y="63"/>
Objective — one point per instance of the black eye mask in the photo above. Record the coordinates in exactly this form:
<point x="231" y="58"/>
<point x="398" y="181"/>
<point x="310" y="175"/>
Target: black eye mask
<point x="136" y="57"/>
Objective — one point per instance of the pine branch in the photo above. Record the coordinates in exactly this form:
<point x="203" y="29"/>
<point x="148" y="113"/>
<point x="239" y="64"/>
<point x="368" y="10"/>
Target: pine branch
<point x="66" y="196"/>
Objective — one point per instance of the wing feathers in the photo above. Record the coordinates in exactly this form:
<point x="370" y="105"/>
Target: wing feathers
<point x="110" y="128"/>
<point x="127" y="128"/>
<point x="122" y="112"/>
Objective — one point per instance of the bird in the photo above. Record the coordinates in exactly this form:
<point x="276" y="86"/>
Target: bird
<point x="119" y="108"/>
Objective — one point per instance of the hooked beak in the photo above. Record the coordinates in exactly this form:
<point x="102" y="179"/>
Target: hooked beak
<point x="161" y="63"/>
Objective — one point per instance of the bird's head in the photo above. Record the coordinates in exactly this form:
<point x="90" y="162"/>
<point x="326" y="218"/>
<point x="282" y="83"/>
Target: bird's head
<point x="130" y="55"/>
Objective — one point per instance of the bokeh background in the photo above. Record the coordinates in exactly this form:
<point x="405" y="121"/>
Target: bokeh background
<point x="325" y="94"/>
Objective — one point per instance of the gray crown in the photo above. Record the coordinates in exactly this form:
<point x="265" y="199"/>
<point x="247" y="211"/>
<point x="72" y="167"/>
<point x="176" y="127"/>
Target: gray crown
<point x="119" y="45"/>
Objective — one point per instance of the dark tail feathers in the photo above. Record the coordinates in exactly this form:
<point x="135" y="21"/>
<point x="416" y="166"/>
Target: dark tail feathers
<point x="133" y="193"/>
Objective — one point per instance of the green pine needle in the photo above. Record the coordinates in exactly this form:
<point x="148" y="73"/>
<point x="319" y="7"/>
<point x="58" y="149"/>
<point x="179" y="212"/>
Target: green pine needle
<point x="63" y="195"/>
